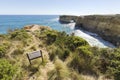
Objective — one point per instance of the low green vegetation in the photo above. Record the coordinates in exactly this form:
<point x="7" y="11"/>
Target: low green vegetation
<point x="83" y="58"/>
<point x="4" y="46"/>
<point x="19" y="34"/>
<point x="7" y="70"/>
<point x="70" y="55"/>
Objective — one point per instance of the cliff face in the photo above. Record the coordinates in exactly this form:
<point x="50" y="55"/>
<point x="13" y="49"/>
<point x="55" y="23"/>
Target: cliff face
<point x="67" y="19"/>
<point x="107" y="26"/>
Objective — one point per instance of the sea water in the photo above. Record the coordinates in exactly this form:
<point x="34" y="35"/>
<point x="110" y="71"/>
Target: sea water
<point x="19" y="21"/>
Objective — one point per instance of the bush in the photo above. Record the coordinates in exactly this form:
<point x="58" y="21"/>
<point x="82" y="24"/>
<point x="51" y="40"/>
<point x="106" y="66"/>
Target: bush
<point x="82" y="60"/>
<point x="107" y="62"/>
<point x="56" y="52"/>
<point x="33" y="48"/>
<point x="61" y="53"/>
<point x="2" y="51"/>
<point x="113" y="62"/>
<point x="52" y="52"/>
<point x="66" y="54"/>
<point x="20" y="35"/>
<point x="77" y="63"/>
<point x="61" y="71"/>
<point x="75" y="76"/>
<point x="3" y="48"/>
<point x="3" y="36"/>
<point x="73" y="42"/>
<point x="18" y="52"/>
<point x="51" y="37"/>
<point x="61" y="39"/>
<point x="84" y="51"/>
<point x="7" y="70"/>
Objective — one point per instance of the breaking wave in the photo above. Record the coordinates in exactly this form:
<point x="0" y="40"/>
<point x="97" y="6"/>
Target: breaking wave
<point x="93" y="39"/>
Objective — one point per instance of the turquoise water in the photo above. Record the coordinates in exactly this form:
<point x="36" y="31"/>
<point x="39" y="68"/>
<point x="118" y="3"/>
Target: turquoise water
<point x="18" y="21"/>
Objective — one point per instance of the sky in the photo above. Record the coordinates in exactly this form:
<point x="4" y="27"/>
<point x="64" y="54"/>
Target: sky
<point x="59" y="7"/>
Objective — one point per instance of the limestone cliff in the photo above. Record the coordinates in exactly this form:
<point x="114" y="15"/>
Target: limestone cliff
<point x="67" y="19"/>
<point x="107" y="26"/>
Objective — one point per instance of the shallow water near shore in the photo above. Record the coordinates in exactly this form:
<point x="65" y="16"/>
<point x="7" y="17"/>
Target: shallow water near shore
<point x="19" y="21"/>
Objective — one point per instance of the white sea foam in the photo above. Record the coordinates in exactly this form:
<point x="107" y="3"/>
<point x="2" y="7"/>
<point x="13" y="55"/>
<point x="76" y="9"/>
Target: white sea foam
<point x="93" y="41"/>
<point x="70" y="25"/>
<point x="55" y="19"/>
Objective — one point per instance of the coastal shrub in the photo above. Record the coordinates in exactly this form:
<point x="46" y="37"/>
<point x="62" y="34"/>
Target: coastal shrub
<point x="77" y="41"/>
<point x="77" y="63"/>
<point x="56" y="52"/>
<point x="112" y="64"/>
<point x="84" y="51"/>
<point x="75" y="76"/>
<point x="18" y="51"/>
<point x="61" y="39"/>
<point x="3" y="36"/>
<point x="2" y="51"/>
<point x="7" y="70"/>
<point x="73" y="42"/>
<point x="20" y="35"/>
<point x="33" y="48"/>
<point x="66" y="54"/>
<point x="61" y="71"/>
<point x="52" y="55"/>
<point x="82" y="60"/>
<point x="52" y="51"/>
<point x="3" y="48"/>
<point x="51" y="37"/>
<point x="106" y="61"/>
<point x="61" y="53"/>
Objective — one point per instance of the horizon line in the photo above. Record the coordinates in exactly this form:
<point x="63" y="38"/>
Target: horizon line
<point x="62" y="14"/>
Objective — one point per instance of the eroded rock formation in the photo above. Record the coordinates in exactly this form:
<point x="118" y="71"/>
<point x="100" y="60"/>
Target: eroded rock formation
<point x="107" y="26"/>
<point x="67" y="19"/>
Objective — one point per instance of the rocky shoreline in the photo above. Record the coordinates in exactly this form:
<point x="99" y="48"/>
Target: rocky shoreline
<point x="106" y="26"/>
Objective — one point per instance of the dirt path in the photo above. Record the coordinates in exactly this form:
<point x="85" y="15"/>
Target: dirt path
<point x="23" y="59"/>
<point x="42" y="69"/>
<point x="23" y="55"/>
<point x="45" y="69"/>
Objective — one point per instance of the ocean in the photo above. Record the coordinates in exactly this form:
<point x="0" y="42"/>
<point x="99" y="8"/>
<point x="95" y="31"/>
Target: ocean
<point x="19" y="21"/>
